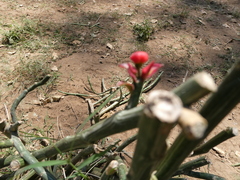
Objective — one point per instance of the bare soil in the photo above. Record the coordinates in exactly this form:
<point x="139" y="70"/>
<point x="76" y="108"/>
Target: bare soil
<point x="189" y="36"/>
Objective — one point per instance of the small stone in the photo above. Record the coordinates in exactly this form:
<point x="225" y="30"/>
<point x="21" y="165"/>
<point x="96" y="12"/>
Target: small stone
<point x="54" y="68"/>
<point x="216" y="48"/>
<point x="57" y="98"/>
<point x="9" y="83"/>
<point x="170" y="22"/>
<point x="154" y="21"/>
<point x="219" y="151"/>
<point x="237" y="153"/>
<point x="203" y="12"/>
<point x="228" y="48"/>
<point x="27" y="55"/>
<point x="76" y="42"/>
<point x="109" y="46"/>
<point x="12" y="52"/>
<point x="54" y="55"/>
<point x="201" y="22"/>
<point x="36" y="102"/>
<point x="233" y="20"/>
<point x="133" y="22"/>
<point x="226" y="25"/>
<point x="46" y="101"/>
<point x="128" y="14"/>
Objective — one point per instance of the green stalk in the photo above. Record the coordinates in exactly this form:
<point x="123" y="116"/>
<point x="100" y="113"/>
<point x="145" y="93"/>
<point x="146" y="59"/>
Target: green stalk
<point x="219" y="138"/>
<point x="119" y="122"/>
<point x="134" y="98"/>
<point x="214" y="110"/>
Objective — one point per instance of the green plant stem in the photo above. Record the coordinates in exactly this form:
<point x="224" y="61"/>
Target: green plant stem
<point x="85" y="152"/>
<point x="205" y="176"/>
<point x="196" y="87"/>
<point x="160" y="114"/>
<point x="6" y="144"/>
<point x="194" y="164"/>
<point x="28" y="175"/>
<point x="112" y="106"/>
<point x="236" y="165"/>
<point x="153" y="84"/>
<point x="126" y="143"/>
<point x="192" y="123"/>
<point x="119" y="122"/>
<point x="23" y="95"/>
<point x="122" y="169"/>
<point x="4" y="128"/>
<point x="214" y="110"/>
<point x="219" y="138"/>
<point x="134" y="97"/>
<point x="27" y="156"/>
<point x="17" y="164"/>
<point x="95" y="112"/>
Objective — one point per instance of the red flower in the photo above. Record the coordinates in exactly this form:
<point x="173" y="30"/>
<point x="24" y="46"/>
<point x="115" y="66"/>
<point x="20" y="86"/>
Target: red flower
<point x="150" y="70"/>
<point x="132" y="71"/>
<point x="139" y="57"/>
<point x="135" y="72"/>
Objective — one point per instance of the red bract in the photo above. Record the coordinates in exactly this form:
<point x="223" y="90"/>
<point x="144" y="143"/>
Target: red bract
<point x="150" y="70"/>
<point x="139" y="57"/>
<point x="132" y="71"/>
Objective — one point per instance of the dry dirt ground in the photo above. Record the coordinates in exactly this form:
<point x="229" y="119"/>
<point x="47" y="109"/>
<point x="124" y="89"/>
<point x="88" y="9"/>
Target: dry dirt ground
<point x="89" y="38"/>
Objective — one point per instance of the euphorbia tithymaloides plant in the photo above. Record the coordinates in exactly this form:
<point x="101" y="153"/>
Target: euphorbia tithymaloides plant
<point x="139" y="74"/>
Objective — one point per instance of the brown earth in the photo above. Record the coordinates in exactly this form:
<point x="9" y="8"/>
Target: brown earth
<point x="190" y="36"/>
